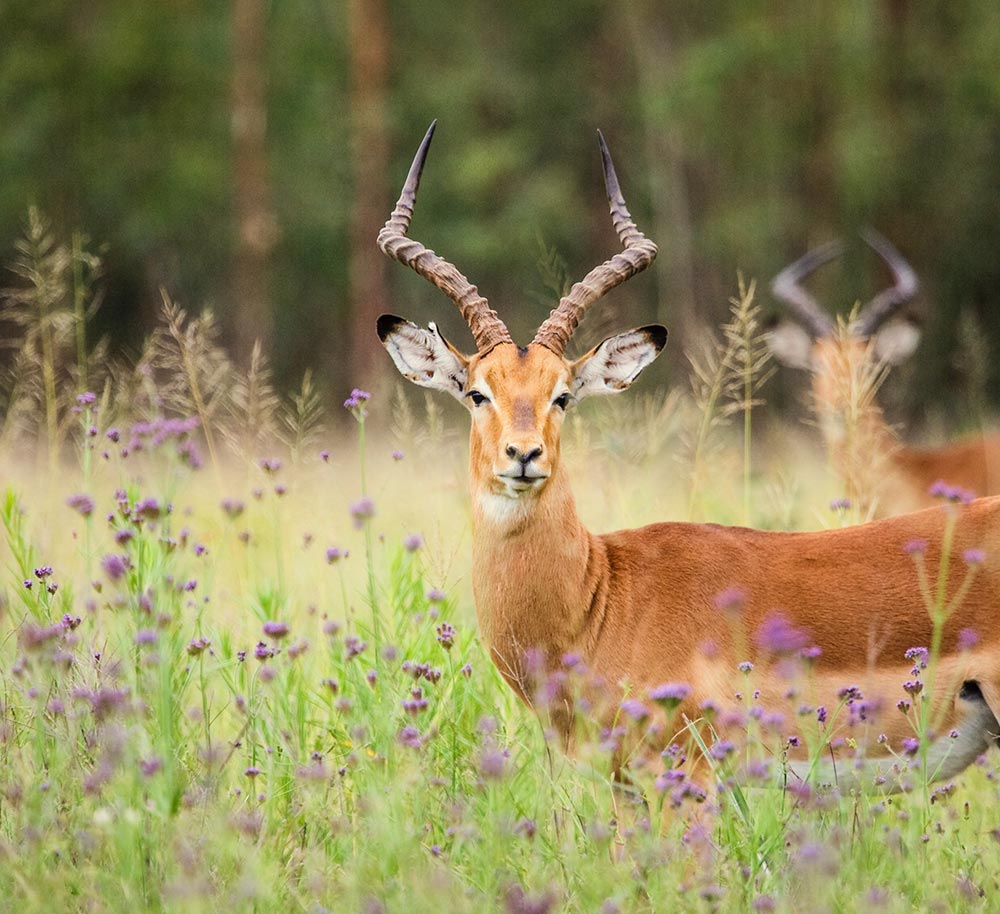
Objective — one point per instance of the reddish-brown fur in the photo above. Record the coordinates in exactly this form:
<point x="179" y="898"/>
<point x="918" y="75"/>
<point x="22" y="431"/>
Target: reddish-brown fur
<point x="639" y="605"/>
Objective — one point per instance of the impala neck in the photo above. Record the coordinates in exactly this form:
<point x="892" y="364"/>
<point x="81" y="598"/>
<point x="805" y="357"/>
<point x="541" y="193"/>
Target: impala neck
<point x="537" y="576"/>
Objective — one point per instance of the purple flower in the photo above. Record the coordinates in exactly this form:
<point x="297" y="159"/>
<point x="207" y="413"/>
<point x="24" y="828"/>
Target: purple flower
<point x="731" y="600"/>
<point x="115" y="566"/>
<point x="915" y="547"/>
<point x="113" y="434"/>
<point x="840" y="505"/>
<point x="82" y="504"/>
<point x="354" y="647"/>
<point x="150" y="766"/>
<point x="199" y="549"/>
<point x="357" y="399"/>
<point x="722" y="749"/>
<point x="918" y="657"/>
<point x="275" y="630"/>
<point x="397" y="455"/>
<point x="86" y="398"/>
<point x="946" y="492"/>
<point x="410" y="736"/>
<point x="263" y="651"/>
<point x="43" y="572"/>
<point x="233" y="507"/>
<point x="745" y="666"/>
<point x="436" y="595"/>
<point x="910" y="745"/>
<point x="324" y="455"/>
<point x="148" y="508"/>
<point x="123" y="536"/>
<point x="670" y="694"/>
<point x="967" y="639"/>
<point x="849" y="694"/>
<point x="635" y="709"/>
<point x="252" y="772"/>
<point x="821" y="714"/>
<point x="270" y="465"/>
<point x="362" y="510"/>
<point x="334" y="555"/>
<point x="492" y="763"/>
<point x="146" y="636"/>
<point x="780" y="636"/>
<point x="197" y="646"/>
<point x="445" y="635"/>
<point x="413" y="542"/>
<point x="913" y="687"/>
<point x="974" y="556"/>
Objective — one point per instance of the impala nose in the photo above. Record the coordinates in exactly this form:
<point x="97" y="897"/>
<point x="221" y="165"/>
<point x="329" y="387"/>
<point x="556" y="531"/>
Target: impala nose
<point x="515" y="453"/>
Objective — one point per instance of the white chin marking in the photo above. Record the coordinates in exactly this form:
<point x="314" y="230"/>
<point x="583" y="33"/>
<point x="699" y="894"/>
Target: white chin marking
<point x="502" y="509"/>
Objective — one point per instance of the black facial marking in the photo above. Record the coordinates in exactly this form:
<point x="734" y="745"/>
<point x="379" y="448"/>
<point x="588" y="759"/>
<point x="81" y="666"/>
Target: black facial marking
<point x="970" y="691"/>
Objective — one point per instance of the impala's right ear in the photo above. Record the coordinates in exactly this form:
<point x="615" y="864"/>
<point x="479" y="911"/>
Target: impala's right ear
<point x="424" y="356"/>
<point x="790" y="344"/>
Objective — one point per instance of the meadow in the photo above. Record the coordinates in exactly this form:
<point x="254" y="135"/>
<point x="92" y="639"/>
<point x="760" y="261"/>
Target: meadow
<point x="240" y="668"/>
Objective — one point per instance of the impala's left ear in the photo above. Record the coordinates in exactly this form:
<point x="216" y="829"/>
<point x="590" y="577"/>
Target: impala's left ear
<point x="612" y="366"/>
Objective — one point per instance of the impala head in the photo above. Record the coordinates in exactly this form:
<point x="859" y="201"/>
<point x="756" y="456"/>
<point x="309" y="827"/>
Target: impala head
<point x="517" y="395"/>
<point x="839" y="355"/>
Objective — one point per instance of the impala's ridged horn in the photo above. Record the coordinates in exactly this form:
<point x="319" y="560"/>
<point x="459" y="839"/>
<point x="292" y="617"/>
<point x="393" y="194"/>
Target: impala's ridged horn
<point x="889" y="301"/>
<point x="787" y="286"/>
<point x="487" y="329"/>
<point x="639" y="252"/>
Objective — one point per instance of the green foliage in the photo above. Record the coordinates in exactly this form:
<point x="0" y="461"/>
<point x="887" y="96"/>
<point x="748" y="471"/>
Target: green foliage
<point x="741" y="134"/>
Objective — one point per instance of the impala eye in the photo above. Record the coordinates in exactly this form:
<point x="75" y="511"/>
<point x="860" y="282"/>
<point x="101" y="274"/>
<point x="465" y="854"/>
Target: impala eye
<point x="477" y="398"/>
<point x="562" y="401"/>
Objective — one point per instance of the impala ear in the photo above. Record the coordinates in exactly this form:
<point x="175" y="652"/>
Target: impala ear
<point x="612" y="366"/>
<point x="790" y="344"/>
<point x="897" y="340"/>
<point x="424" y="356"/>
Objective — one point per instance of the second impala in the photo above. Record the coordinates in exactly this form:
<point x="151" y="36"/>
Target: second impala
<point x="637" y="606"/>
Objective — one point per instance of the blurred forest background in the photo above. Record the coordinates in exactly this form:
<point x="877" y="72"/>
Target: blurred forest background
<point x="242" y="155"/>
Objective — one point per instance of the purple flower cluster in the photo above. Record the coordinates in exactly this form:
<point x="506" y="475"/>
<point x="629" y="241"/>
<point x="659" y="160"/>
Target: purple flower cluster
<point x="82" y="504"/>
<point x="950" y="493"/>
<point x="362" y="510"/>
<point x="275" y="630"/>
<point x="670" y="694"/>
<point x="446" y="635"/>
<point x="357" y="400"/>
<point x="779" y="635"/>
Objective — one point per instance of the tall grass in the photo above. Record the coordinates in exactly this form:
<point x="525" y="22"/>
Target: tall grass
<point x="242" y="691"/>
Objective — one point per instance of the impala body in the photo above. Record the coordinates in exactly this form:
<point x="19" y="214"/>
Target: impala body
<point x="847" y="364"/>
<point x="640" y="606"/>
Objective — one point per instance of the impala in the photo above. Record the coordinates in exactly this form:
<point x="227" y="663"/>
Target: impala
<point x="641" y="607"/>
<point x="847" y="363"/>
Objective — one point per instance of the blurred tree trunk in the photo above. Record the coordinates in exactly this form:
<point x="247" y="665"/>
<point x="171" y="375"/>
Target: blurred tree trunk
<point x="256" y="226"/>
<point x="673" y="226"/>
<point x="368" y="291"/>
